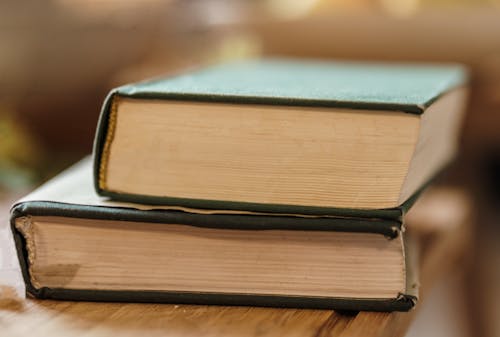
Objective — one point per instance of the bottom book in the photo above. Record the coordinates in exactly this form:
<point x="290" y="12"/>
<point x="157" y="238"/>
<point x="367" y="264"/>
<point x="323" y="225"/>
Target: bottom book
<point x="74" y="245"/>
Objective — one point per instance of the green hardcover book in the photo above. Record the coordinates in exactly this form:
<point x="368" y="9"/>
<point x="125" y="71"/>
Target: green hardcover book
<point x="282" y="136"/>
<point x="74" y="245"/>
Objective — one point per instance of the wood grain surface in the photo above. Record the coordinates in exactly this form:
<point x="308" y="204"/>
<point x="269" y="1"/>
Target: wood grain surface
<point x="52" y="318"/>
<point x="30" y="317"/>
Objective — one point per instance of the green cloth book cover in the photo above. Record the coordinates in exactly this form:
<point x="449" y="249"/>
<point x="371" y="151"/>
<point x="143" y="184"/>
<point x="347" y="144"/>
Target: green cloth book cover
<point x="408" y="89"/>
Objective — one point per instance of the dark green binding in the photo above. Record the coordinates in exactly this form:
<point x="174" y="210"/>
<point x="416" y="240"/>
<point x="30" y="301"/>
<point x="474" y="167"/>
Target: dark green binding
<point x="403" y="302"/>
<point x="312" y="83"/>
<point x="388" y="228"/>
<point x="400" y="303"/>
<point x="453" y="77"/>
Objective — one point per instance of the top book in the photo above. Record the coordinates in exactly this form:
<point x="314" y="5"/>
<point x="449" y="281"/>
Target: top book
<point x="282" y="136"/>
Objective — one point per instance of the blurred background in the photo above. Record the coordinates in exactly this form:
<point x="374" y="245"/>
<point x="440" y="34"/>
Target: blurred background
<point x="59" y="58"/>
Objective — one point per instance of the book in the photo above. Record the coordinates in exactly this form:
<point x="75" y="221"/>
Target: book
<point x="283" y="136"/>
<point x="74" y="245"/>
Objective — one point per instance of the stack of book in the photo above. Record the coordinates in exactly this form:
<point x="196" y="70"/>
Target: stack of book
<point x="268" y="183"/>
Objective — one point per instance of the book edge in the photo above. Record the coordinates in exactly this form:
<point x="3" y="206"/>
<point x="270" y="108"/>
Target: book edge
<point x="101" y="142"/>
<point x="105" y="133"/>
<point x="402" y="302"/>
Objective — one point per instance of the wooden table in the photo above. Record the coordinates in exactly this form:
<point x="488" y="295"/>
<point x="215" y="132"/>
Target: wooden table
<point x="29" y="317"/>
